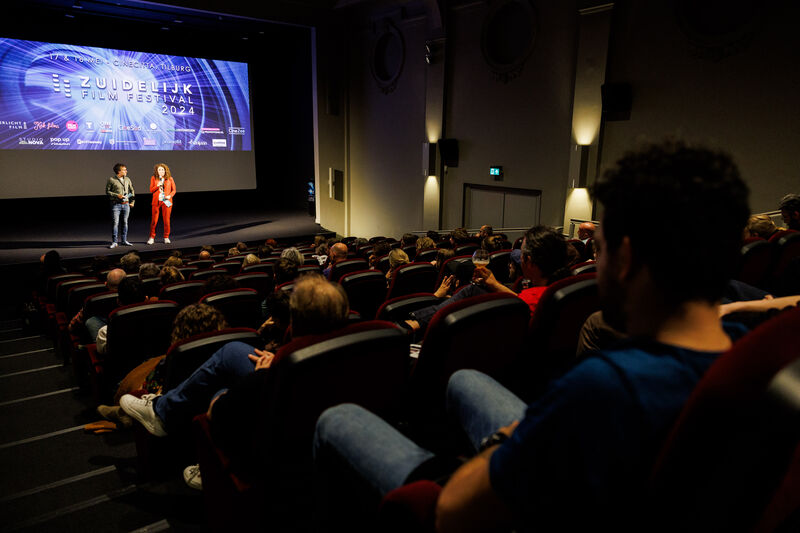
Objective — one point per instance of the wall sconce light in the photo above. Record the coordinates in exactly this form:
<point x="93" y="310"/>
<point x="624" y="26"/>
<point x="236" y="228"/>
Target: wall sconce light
<point x="583" y="167"/>
<point x="428" y="159"/>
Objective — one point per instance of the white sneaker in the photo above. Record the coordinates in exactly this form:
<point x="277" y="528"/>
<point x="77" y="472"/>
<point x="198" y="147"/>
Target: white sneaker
<point x="191" y="475"/>
<point x="151" y="240"/>
<point x="113" y="245"/>
<point x="167" y="241"/>
<point x="141" y="409"/>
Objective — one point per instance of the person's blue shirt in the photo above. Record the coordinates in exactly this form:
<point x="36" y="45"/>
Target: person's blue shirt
<point x="583" y="452"/>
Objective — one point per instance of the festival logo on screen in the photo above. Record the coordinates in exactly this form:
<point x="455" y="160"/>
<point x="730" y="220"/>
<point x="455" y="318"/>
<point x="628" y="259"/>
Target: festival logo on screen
<point x="83" y="91"/>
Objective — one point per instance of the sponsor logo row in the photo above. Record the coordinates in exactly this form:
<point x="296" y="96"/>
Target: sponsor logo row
<point x="106" y="127"/>
<point x="65" y="141"/>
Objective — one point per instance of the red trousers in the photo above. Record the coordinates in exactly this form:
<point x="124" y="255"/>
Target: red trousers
<point x="154" y="219"/>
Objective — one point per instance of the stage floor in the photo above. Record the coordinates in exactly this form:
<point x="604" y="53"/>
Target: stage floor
<point x="26" y="241"/>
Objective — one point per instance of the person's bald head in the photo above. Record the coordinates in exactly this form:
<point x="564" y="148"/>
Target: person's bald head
<point x="114" y="278"/>
<point x="317" y="306"/>
<point x="586" y="230"/>
<point x="205" y="254"/>
<point x="338" y="252"/>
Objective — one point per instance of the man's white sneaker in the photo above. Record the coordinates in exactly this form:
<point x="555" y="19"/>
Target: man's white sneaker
<point x="191" y="475"/>
<point x="113" y="245"/>
<point x="167" y="241"/>
<point x="151" y="240"/>
<point x="141" y="409"/>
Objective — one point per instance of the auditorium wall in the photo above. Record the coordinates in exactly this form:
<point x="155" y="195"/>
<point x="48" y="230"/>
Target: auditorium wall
<point x="735" y="89"/>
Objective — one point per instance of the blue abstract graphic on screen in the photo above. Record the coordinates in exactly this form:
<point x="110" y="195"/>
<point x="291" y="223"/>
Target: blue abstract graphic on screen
<point x="66" y="97"/>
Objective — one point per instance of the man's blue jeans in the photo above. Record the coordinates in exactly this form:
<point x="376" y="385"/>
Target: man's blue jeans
<point x="116" y="210"/>
<point x="222" y="370"/>
<point x="351" y="438"/>
<point x="93" y="325"/>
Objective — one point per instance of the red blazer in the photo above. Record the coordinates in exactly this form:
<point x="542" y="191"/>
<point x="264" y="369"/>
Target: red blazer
<point x="169" y="188"/>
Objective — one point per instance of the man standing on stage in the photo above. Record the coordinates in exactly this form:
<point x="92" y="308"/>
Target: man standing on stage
<point x="119" y="190"/>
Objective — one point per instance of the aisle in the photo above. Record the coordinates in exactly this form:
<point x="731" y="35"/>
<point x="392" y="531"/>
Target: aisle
<point x="55" y="476"/>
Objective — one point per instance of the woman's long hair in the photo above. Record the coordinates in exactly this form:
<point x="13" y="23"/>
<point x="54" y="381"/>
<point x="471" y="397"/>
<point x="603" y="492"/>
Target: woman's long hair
<point x="167" y="174"/>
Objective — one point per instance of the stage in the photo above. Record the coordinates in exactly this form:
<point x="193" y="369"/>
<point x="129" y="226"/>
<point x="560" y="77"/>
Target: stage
<point x="89" y="237"/>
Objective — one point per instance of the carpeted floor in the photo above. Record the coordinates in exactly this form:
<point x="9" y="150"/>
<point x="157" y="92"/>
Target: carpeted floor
<point x="56" y="476"/>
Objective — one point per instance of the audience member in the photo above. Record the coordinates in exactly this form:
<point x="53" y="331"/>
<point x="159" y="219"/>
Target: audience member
<point x="590" y="441"/>
<point x="286" y="270"/>
<point x="492" y="243"/>
<point x="321" y="254"/>
<point x="219" y="283"/>
<point x="149" y="270"/>
<point x="94" y="323"/>
<point x="293" y="254"/>
<point x="149" y="376"/>
<point x="264" y="251"/>
<point x="760" y="226"/>
<point x="208" y="248"/>
<point x="433" y="235"/>
<point x="204" y="255"/>
<point x="250" y="259"/>
<point x="379" y="249"/>
<point x="173" y="261"/>
<point x="442" y="255"/>
<point x="230" y="383"/>
<point x="50" y="266"/>
<point x="271" y="242"/>
<point x="397" y="257"/>
<point x="169" y="275"/>
<point x="458" y="237"/>
<point x="337" y="254"/>
<point x="790" y="211"/>
<point x="485" y="231"/>
<point x="233" y="251"/>
<point x="241" y="247"/>
<point x="425" y="243"/>
<point x="586" y="231"/>
<point x="130" y="263"/>
<point x="130" y="291"/>
<point x="408" y="239"/>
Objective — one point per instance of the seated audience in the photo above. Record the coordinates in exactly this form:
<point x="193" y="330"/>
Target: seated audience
<point x="130" y="263"/>
<point x="170" y="274"/>
<point x="285" y="270"/>
<point x="233" y="251"/>
<point x="130" y="291"/>
<point x="149" y="270"/>
<point x="485" y="231"/>
<point x="408" y="239"/>
<point x="94" y="323"/>
<point x="442" y="256"/>
<point x="204" y="255"/>
<point x="190" y="321"/>
<point x="425" y="243"/>
<point x="293" y="254"/>
<point x="208" y="248"/>
<point x="337" y="254"/>
<point x="790" y="211"/>
<point x="241" y="247"/>
<point x="544" y="257"/>
<point x="433" y="235"/>
<point x="586" y="231"/>
<point x="250" y="259"/>
<point x="321" y="254"/>
<point x="379" y="249"/>
<point x="229" y="384"/>
<point x="760" y="226"/>
<point x="578" y="458"/>
<point x="219" y="283"/>
<point x="458" y="237"/>
<point x="397" y="257"/>
<point x="173" y="261"/>
<point x="264" y="251"/>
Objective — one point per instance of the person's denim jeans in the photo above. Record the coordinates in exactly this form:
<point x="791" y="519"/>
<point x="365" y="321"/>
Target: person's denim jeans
<point x="116" y="211"/>
<point x="227" y="366"/>
<point x="93" y="325"/>
<point x="481" y="405"/>
<point x="350" y="438"/>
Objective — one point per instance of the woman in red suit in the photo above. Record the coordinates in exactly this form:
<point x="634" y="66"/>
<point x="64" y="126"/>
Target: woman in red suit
<point x="163" y="188"/>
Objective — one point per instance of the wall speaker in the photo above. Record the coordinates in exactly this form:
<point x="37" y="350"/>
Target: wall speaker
<point x="448" y="149"/>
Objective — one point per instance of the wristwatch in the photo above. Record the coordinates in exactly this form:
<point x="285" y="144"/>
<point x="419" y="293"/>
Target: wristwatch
<point x="498" y="437"/>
